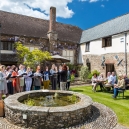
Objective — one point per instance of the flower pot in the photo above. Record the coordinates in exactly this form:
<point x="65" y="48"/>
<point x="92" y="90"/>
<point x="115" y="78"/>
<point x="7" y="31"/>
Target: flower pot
<point x="1" y="108"/>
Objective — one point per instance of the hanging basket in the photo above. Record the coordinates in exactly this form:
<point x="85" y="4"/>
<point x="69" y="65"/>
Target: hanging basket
<point x="1" y="108"/>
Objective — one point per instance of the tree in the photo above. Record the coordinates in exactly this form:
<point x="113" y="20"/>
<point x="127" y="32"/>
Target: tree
<point x="30" y="58"/>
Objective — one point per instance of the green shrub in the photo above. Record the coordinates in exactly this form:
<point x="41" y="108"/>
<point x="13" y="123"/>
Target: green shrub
<point x="71" y="66"/>
<point x="84" y="73"/>
<point x="90" y="76"/>
<point x="72" y="77"/>
<point x="95" y="72"/>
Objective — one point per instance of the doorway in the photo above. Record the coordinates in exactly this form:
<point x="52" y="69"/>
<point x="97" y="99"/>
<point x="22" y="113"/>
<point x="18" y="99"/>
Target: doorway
<point x="109" y="68"/>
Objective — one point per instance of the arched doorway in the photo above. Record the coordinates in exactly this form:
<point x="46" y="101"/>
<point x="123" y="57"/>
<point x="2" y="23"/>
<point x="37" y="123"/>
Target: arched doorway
<point x="88" y="64"/>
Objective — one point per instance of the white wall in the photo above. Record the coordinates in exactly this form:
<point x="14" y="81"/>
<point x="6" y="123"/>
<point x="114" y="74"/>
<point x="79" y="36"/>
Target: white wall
<point x="118" y="45"/>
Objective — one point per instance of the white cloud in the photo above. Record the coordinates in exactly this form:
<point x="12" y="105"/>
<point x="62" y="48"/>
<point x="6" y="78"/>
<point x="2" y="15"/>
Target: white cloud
<point x="102" y="5"/>
<point x="20" y="7"/>
<point x="89" y="0"/>
<point x="82" y="0"/>
<point x="93" y="1"/>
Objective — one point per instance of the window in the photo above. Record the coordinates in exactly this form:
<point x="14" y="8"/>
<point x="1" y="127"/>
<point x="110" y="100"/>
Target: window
<point x="69" y="54"/>
<point x="107" y="42"/>
<point x="7" y="45"/>
<point x="87" y="47"/>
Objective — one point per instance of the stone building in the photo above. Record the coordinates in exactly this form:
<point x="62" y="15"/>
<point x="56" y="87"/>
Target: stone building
<point x="105" y="47"/>
<point x="47" y="35"/>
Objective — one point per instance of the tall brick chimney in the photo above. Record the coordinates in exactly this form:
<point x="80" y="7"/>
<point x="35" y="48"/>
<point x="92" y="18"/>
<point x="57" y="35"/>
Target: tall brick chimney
<point x="52" y="20"/>
<point x="52" y="35"/>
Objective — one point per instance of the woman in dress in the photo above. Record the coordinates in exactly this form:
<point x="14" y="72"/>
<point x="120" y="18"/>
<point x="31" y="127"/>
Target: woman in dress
<point x="2" y="88"/>
<point x="21" y="78"/>
<point x="28" y="79"/>
<point x="94" y="81"/>
<point x="5" y="82"/>
<point x="53" y="73"/>
<point x="16" y="82"/>
<point x="37" y="79"/>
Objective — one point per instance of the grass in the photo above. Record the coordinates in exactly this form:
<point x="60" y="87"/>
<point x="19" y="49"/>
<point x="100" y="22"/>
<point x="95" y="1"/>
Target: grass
<point x="120" y="106"/>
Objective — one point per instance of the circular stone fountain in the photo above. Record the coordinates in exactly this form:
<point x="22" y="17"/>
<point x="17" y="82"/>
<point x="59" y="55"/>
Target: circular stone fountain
<point x="40" y="117"/>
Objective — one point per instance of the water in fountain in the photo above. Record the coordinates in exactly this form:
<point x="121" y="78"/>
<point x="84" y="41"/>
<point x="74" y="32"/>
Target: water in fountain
<point x="51" y="100"/>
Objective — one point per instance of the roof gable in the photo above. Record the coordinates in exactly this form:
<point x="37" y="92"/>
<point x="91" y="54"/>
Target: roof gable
<point x="15" y="24"/>
<point x="114" y="26"/>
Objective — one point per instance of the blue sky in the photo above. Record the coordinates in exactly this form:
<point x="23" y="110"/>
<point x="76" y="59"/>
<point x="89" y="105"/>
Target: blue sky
<point x="82" y="13"/>
<point x="88" y="14"/>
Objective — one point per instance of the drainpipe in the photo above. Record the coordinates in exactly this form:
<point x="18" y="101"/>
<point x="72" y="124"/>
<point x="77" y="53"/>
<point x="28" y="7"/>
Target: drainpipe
<point x="125" y="54"/>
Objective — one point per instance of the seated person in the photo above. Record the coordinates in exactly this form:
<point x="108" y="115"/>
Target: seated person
<point x="94" y="81"/>
<point x="126" y="82"/>
<point x="111" y="80"/>
<point x="119" y="86"/>
<point x="101" y="81"/>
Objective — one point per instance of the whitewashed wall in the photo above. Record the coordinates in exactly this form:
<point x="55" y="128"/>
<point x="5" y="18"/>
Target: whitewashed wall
<point x="118" y="45"/>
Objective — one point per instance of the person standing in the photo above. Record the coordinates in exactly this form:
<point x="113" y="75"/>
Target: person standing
<point x="46" y="80"/>
<point x="60" y="69"/>
<point x="53" y="73"/>
<point x="9" y="80"/>
<point x="37" y="79"/>
<point x="63" y="77"/>
<point x="20" y="73"/>
<point x="2" y="88"/>
<point x="68" y="78"/>
<point x="28" y="79"/>
<point x="5" y="82"/>
<point x="16" y="81"/>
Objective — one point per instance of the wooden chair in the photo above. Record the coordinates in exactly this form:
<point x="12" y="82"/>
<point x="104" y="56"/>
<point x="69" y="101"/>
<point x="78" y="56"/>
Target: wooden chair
<point x="121" y="91"/>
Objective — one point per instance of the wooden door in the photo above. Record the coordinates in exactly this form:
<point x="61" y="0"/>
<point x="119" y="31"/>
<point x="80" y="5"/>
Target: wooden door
<point x="109" y="68"/>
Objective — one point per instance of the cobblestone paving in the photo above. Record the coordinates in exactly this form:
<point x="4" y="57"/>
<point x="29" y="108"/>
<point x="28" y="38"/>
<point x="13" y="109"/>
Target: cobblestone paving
<point x="102" y="118"/>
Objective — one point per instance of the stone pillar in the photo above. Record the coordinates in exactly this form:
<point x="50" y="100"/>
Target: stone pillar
<point x="52" y="35"/>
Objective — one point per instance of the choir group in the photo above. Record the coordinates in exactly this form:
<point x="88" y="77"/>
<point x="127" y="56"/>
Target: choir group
<point x="18" y="79"/>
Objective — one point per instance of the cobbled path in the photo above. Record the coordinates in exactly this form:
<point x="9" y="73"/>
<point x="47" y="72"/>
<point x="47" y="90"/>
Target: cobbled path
<point x="102" y="118"/>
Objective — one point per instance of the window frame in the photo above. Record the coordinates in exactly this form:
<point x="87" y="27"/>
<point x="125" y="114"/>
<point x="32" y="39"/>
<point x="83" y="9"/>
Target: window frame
<point x="68" y="56"/>
<point x="105" y="42"/>
<point x="87" y="44"/>
<point x="7" y="45"/>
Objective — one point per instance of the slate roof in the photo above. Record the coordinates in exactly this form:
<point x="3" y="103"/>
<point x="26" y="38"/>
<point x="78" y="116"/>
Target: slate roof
<point x="15" y="24"/>
<point x="114" y="26"/>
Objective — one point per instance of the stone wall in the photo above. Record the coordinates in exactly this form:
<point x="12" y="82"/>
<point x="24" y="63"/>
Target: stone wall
<point x="96" y="60"/>
<point x="41" y="43"/>
<point x="47" y="117"/>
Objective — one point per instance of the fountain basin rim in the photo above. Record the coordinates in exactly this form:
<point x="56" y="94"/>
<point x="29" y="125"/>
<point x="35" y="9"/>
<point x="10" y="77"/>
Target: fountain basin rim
<point x="13" y="103"/>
